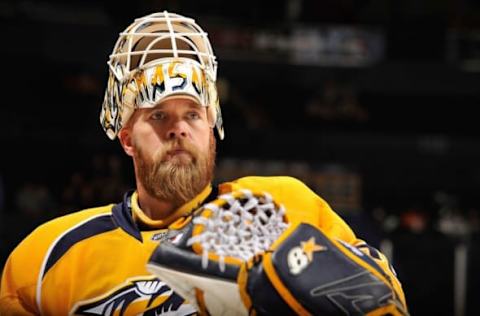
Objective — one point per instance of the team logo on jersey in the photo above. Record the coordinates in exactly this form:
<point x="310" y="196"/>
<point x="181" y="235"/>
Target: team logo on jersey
<point x="300" y="257"/>
<point x="144" y="296"/>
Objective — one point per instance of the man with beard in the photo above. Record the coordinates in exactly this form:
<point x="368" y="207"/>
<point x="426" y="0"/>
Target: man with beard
<point x="162" y="104"/>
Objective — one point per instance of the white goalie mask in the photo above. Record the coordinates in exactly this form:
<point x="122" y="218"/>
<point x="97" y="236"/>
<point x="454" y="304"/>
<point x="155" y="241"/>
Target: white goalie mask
<point x="159" y="56"/>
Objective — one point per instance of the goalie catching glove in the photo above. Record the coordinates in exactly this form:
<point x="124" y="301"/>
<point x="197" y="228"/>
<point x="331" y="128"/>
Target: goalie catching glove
<point x="238" y="256"/>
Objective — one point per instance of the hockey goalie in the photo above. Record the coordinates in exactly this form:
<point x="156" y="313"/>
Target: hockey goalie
<point x="251" y="252"/>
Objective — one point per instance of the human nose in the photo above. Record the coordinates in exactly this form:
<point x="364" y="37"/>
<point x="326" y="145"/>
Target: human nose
<point x="178" y="129"/>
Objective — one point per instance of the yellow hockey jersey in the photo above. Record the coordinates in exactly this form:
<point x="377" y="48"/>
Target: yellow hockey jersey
<point x="93" y="262"/>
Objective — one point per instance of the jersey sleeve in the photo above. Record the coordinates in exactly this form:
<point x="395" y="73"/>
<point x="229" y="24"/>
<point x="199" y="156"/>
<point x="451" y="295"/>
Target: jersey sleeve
<point x="17" y="291"/>
<point x="22" y="275"/>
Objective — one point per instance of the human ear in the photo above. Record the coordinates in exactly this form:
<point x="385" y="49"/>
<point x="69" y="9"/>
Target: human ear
<point x="125" y="137"/>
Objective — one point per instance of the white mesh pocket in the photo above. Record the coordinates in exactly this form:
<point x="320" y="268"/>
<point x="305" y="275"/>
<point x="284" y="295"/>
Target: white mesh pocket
<point x="239" y="225"/>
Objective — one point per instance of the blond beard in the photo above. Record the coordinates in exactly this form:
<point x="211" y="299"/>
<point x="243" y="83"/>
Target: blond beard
<point x="176" y="180"/>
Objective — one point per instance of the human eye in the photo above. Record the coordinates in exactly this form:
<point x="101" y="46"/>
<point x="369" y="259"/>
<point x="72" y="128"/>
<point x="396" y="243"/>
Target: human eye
<point x="158" y="115"/>
<point x="193" y="115"/>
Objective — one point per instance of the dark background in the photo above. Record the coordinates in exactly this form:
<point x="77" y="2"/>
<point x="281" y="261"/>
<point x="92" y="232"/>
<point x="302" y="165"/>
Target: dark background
<point x="399" y="117"/>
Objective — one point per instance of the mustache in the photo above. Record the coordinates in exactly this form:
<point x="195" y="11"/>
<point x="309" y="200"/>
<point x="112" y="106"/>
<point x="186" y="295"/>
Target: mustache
<point x="178" y="144"/>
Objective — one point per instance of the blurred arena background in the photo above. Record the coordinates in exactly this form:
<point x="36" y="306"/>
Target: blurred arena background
<point x="372" y="103"/>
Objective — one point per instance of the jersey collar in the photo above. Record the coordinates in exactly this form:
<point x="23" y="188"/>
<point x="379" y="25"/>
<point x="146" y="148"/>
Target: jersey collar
<point x="132" y="220"/>
<point x="143" y="220"/>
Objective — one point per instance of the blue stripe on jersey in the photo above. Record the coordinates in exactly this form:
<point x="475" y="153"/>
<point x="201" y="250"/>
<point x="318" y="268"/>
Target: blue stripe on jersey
<point x="122" y="215"/>
<point x="90" y="228"/>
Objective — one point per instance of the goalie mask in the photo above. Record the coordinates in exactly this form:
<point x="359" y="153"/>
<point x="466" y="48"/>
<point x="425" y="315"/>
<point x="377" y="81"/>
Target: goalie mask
<point x="157" y="57"/>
